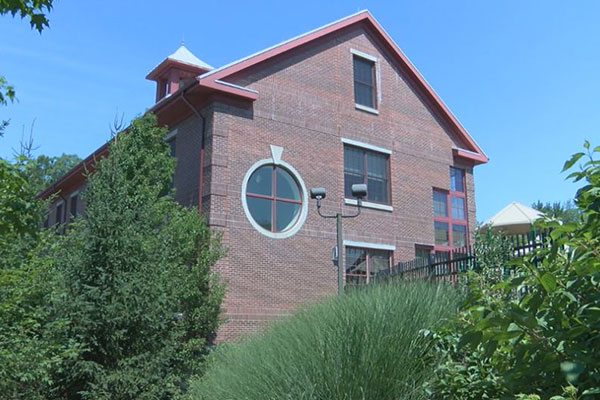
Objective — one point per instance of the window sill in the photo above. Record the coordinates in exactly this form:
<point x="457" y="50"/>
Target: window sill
<point x="367" y="204"/>
<point x="365" y="108"/>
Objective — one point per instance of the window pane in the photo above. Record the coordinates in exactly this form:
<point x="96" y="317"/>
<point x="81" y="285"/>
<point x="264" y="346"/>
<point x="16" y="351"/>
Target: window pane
<point x="378" y="261"/>
<point x="363" y="94"/>
<point x="356" y="280"/>
<point x="457" y="179"/>
<point x="261" y="181"/>
<point x="353" y="160"/>
<point x="356" y="261"/>
<point x="349" y="180"/>
<point x="377" y="190"/>
<point x="59" y="214"/>
<point x="73" y="207"/>
<point x="422" y="255"/>
<point x="286" y="215"/>
<point x="363" y="70"/>
<point x="458" y="207"/>
<point x="287" y="187"/>
<point x="260" y="209"/>
<point x="441" y="233"/>
<point x="439" y="204"/>
<point x="442" y="256"/>
<point x="377" y="165"/>
<point x="173" y="147"/>
<point x="459" y="235"/>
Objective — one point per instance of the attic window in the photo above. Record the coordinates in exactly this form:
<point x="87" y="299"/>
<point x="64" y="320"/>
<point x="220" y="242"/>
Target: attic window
<point x="365" y="88"/>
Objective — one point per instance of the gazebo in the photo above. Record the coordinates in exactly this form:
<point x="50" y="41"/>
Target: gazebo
<point x="515" y="218"/>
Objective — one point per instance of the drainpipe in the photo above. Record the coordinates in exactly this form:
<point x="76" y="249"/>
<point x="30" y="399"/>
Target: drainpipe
<point x="202" y="148"/>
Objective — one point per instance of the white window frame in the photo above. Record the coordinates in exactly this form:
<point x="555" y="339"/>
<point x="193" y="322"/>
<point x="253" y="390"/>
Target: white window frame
<point x="377" y="82"/>
<point x="367" y="204"/>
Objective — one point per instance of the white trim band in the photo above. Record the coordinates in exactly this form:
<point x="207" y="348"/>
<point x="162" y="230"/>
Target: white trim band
<point x="367" y="245"/>
<point x="363" y="55"/>
<point x="367" y="204"/>
<point x="171" y="135"/>
<point x="365" y="108"/>
<point x="364" y="145"/>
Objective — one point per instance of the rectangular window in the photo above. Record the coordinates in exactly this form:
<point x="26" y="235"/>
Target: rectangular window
<point x="369" y="167"/>
<point x="422" y="254"/>
<point x="440" y="203"/>
<point x="442" y="237"/>
<point x="364" y="82"/>
<point x="457" y="179"/>
<point x="458" y="207"/>
<point x="450" y="214"/>
<point x="173" y="146"/>
<point x="73" y="207"/>
<point x="459" y="235"/>
<point x="363" y="264"/>
<point x="59" y="213"/>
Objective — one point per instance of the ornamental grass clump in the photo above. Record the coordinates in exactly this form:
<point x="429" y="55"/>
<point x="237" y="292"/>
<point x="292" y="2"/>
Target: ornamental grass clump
<point x="366" y="344"/>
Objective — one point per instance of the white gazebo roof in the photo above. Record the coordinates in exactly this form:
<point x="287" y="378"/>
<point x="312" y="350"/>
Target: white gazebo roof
<point x="514" y="218"/>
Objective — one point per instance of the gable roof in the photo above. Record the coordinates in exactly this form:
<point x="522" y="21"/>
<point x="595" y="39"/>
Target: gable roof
<point x="514" y="214"/>
<point x="214" y="79"/>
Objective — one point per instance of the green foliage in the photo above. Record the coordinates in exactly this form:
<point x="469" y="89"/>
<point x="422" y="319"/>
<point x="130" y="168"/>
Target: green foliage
<point x="538" y="330"/>
<point x="31" y="343"/>
<point x="135" y="277"/>
<point x="35" y="10"/>
<point x="20" y="213"/>
<point x="565" y="212"/>
<point x="7" y="92"/>
<point x="365" y="344"/>
<point x="43" y="170"/>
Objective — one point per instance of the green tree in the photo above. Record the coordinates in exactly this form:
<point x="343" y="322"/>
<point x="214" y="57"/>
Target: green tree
<point x="537" y="332"/>
<point x="31" y="342"/>
<point x="136" y="270"/>
<point x="565" y="212"/>
<point x="43" y="170"/>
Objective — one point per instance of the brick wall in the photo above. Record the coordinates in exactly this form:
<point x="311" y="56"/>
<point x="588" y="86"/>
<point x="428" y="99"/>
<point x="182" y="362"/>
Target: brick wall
<point x="306" y="105"/>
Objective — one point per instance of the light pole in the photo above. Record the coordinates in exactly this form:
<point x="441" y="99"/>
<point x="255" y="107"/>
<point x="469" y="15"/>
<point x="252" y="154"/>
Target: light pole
<point x="359" y="191"/>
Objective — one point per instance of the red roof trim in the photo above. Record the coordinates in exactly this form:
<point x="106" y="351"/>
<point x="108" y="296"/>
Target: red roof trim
<point x="170" y="62"/>
<point x="470" y="155"/>
<point x="208" y="79"/>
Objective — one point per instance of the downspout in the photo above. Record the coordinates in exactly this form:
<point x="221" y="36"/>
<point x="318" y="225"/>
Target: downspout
<point x="202" y="148"/>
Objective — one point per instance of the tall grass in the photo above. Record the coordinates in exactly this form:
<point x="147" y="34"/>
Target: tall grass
<point x="362" y="345"/>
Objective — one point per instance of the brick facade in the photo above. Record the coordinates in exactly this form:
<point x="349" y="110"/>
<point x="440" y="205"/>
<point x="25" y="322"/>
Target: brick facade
<point x="306" y="106"/>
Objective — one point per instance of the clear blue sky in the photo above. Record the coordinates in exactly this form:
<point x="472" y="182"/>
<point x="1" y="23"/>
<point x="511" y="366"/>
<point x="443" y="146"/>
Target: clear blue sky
<point x="522" y="76"/>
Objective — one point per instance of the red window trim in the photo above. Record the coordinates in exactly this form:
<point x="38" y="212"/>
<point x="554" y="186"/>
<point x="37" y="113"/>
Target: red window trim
<point x="365" y="174"/>
<point x="449" y="219"/>
<point x="274" y="198"/>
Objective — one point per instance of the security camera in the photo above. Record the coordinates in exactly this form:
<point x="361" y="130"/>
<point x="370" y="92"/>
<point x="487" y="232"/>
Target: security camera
<point x="317" y="193"/>
<point x="359" y="190"/>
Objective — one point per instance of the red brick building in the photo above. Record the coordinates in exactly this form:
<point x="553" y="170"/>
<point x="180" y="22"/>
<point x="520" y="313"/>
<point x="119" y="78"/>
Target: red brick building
<point x="335" y="106"/>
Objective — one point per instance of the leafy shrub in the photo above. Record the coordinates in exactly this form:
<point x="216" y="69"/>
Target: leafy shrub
<point x="544" y="342"/>
<point x="365" y="344"/>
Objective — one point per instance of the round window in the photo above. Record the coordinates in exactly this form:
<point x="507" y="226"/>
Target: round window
<point x="274" y="199"/>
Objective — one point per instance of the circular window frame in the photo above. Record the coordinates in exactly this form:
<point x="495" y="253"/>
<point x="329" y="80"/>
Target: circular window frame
<point x="304" y="196"/>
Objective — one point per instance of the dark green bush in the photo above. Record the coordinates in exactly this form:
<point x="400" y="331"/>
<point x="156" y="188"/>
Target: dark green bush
<point x="136" y="285"/>
<point x="366" y="344"/>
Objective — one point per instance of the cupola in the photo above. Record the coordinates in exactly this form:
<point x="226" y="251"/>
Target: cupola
<point x="175" y="70"/>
